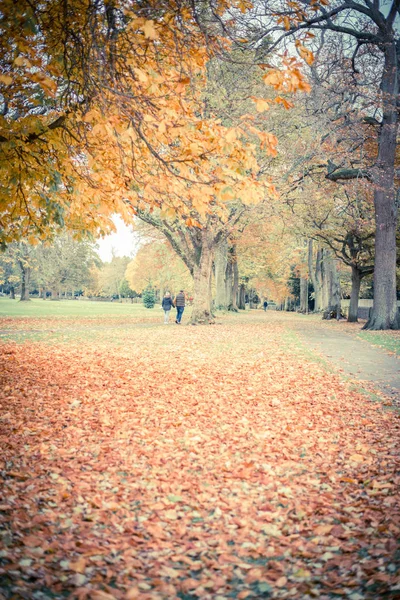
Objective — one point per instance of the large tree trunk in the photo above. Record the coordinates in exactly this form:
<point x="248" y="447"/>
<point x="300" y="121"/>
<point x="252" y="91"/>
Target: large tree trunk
<point x="356" y="277"/>
<point x="331" y="286"/>
<point x="220" y="263"/>
<point x="25" y="281"/>
<point x="55" y="295"/>
<point x="229" y="283"/>
<point x="303" y="295"/>
<point x="201" y="312"/>
<point x="384" y="314"/>
<point x="325" y="278"/>
<point x="12" y="293"/>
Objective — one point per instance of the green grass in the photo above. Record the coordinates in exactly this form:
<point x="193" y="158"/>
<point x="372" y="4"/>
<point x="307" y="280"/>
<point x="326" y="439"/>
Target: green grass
<point x="73" y="320"/>
<point x="387" y="340"/>
<point x="73" y="309"/>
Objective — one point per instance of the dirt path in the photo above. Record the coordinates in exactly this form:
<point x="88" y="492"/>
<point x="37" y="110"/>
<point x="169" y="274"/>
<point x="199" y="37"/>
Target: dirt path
<point x="353" y="357"/>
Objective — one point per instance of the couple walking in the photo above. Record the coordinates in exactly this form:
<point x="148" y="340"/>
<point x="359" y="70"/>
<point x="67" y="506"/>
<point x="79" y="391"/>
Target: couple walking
<point x="178" y="303"/>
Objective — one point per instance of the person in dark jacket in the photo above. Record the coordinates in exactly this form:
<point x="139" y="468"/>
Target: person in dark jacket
<point x="265" y="305"/>
<point x="167" y="304"/>
<point x="180" y="301"/>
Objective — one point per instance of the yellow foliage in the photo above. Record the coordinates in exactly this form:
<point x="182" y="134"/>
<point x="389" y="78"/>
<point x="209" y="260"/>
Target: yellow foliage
<point x="140" y="138"/>
<point x="157" y="264"/>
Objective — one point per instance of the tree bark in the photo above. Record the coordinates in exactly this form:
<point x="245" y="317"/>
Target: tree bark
<point x="318" y="279"/>
<point x="331" y="286"/>
<point x="55" y="295"/>
<point x="384" y="314"/>
<point x="356" y="277"/>
<point x="242" y="295"/>
<point x="221" y="262"/>
<point x="229" y="283"/>
<point x="201" y="311"/>
<point x="303" y="295"/>
<point x="12" y="293"/>
<point x="315" y="274"/>
<point x="325" y="264"/>
<point x="25" y="281"/>
<point x="235" y="284"/>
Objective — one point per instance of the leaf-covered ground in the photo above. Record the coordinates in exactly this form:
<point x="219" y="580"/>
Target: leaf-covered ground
<point x="195" y="463"/>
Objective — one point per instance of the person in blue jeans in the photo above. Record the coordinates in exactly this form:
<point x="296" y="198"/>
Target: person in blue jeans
<point x="180" y="302"/>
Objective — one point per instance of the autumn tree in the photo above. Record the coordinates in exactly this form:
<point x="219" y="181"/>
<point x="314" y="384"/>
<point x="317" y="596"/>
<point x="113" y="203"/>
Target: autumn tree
<point x="126" y="291"/>
<point x="102" y="111"/>
<point x="17" y="265"/>
<point x="64" y="266"/>
<point x="10" y="273"/>
<point x="242" y="115"/>
<point x="323" y="131"/>
<point x="266" y="251"/>
<point x="340" y="221"/>
<point x="196" y="247"/>
<point x="373" y="52"/>
<point x="158" y="265"/>
<point x="111" y="275"/>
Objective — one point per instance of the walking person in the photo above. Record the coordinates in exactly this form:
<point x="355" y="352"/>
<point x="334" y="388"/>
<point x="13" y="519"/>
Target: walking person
<point x="265" y="305"/>
<point x="180" y="302"/>
<point x="167" y="304"/>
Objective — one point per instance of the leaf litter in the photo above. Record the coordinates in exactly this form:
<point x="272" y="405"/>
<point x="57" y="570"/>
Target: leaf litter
<point x="193" y="463"/>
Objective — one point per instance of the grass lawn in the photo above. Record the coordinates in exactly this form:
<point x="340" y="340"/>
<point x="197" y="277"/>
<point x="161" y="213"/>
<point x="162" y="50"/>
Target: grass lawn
<point x="38" y="308"/>
<point x="388" y="340"/>
<point x="141" y="461"/>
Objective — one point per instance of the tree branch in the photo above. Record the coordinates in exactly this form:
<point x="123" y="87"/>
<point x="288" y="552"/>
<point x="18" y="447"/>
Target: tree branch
<point x="59" y="122"/>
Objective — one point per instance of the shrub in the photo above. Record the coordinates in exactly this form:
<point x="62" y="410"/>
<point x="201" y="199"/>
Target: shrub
<point x="149" y="297"/>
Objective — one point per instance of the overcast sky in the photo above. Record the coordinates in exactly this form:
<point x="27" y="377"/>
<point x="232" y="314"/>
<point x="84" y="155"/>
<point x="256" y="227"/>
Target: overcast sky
<point x="124" y="242"/>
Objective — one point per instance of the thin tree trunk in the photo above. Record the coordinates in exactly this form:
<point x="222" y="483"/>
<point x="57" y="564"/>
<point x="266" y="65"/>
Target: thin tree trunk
<point x="229" y="283"/>
<point x="315" y="275"/>
<point x="384" y="314"/>
<point x="235" y="285"/>
<point x="355" y="294"/>
<point x="210" y="292"/>
<point x="242" y="296"/>
<point x="221" y="262"/>
<point x="318" y="279"/>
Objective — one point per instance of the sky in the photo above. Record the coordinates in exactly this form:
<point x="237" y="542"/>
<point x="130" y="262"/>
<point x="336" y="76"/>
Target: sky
<point x="124" y="242"/>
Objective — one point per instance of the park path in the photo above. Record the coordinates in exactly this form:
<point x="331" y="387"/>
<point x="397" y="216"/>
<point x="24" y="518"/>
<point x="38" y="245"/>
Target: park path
<point x="354" y="358"/>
